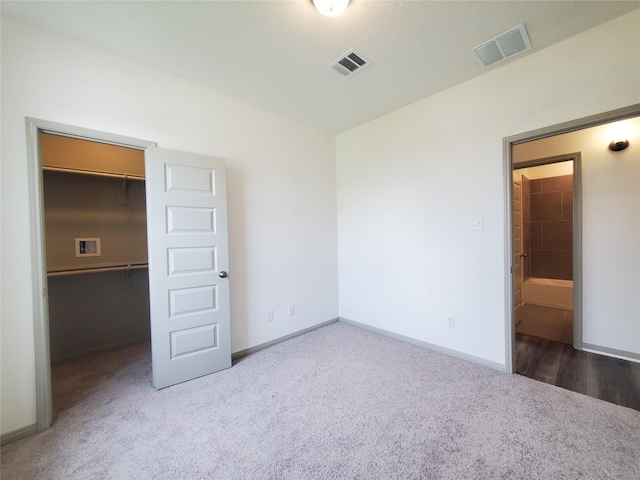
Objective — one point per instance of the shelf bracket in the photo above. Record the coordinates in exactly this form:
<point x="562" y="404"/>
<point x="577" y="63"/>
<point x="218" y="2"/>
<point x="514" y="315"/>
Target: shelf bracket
<point x="123" y="195"/>
<point x="126" y="277"/>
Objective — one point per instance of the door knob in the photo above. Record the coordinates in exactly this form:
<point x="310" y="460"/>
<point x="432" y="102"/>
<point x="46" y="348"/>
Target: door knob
<point x="223" y="274"/>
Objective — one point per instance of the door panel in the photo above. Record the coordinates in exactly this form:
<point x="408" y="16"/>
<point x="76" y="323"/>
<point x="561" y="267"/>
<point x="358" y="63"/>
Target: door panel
<point x="188" y="248"/>
<point x="517" y="243"/>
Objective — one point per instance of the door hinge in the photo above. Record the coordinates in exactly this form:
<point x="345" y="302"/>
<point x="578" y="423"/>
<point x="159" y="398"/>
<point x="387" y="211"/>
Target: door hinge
<point x="44" y="292"/>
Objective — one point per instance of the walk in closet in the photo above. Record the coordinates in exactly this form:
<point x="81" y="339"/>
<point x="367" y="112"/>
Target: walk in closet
<point x="96" y="245"/>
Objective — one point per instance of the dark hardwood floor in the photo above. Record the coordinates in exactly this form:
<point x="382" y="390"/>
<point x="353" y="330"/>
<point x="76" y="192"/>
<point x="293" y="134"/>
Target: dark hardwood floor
<point x="599" y="376"/>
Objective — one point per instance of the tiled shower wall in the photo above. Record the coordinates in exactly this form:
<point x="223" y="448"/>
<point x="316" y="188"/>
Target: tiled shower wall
<point x="548" y="228"/>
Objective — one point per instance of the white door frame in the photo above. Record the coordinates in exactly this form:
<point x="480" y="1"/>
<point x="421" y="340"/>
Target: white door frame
<point x="571" y="126"/>
<point x="44" y="402"/>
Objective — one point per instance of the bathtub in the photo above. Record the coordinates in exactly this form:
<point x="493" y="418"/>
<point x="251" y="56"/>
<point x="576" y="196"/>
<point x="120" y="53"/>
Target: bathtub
<point x="548" y="292"/>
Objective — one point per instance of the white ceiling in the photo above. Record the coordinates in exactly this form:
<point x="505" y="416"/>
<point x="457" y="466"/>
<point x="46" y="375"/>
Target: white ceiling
<point x="274" y="54"/>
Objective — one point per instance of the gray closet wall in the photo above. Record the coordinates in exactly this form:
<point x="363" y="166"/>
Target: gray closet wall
<point x="95" y="302"/>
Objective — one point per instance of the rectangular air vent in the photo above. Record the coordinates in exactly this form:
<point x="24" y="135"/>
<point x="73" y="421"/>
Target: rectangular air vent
<point x="508" y="44"/>
<point x="350" y="63"/>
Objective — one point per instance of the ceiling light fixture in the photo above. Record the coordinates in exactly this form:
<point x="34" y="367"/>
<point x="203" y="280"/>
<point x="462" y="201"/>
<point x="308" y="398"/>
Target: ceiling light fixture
<point x="331" y="8"/>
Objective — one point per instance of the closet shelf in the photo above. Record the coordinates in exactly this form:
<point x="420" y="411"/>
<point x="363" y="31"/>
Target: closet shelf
<point x="92" y="172"/>
<point x="96" y="269"/>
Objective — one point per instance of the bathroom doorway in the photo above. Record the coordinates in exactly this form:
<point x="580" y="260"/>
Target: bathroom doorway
<point x="543" y="247"/>
<point x="602" y="359"/>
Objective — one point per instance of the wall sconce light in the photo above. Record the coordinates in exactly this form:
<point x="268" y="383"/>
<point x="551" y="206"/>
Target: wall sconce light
<point x="618" y="145"/>
<point x="619" y="134"/>
<point x="331" y="8"/>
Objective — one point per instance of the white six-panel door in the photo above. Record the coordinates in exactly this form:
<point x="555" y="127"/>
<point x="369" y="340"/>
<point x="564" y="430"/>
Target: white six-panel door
<point x="188" y="260"/>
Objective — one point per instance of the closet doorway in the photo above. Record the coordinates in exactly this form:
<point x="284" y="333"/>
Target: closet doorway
<point x="98" y="224"/>
<point x="96" y="246"/>
<point x="96" y="259"/>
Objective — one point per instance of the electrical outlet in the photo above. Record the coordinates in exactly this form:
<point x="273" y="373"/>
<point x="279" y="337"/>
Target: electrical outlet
<point x="292" y="310"/>
<point x="269" y="315"/>
<point x="451" y="321"/>
<point x="476" y="223"/>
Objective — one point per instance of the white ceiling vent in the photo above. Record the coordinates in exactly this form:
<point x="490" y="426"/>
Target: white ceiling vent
<point x="350" y="63"/>
<point x="503" y="46"/>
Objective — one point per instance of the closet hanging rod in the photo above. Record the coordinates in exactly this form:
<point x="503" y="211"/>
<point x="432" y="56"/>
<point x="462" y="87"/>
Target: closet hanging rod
<point x="110" y="268"/>
<point x="90" y="172"/>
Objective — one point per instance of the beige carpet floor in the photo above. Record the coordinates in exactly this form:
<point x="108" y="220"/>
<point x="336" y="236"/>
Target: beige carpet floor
<point x="336" y="403"/>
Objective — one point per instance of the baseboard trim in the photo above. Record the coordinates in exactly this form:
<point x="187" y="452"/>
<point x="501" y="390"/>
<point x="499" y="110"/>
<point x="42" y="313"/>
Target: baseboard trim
<point x="257" y="348"/>
<point x="18" y="434"/>
<point x="447" y="351"/>
<point x="611" y="352"/>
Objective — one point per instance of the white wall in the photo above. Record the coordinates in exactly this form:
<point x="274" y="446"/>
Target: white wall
<point x="610" y="231"/>
<point x="409" y="182"/>
<point x="281" y="188"/>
